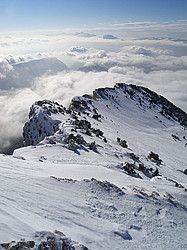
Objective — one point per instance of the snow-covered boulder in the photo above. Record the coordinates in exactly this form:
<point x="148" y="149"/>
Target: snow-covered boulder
<point x="44" y="117"/>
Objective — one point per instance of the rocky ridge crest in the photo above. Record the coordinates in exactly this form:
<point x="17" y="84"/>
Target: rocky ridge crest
<point x="47" y="117"/>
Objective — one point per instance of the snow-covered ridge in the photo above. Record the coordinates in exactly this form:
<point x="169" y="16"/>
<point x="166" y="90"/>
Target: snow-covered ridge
<point x="46" y="116"/>
<point x="109" y="171"/>
<point x="146" y="98"/>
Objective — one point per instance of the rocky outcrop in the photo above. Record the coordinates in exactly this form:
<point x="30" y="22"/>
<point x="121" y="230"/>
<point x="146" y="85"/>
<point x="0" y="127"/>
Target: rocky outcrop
<point x="45" y="240"/>
<point x="43" y="121"/>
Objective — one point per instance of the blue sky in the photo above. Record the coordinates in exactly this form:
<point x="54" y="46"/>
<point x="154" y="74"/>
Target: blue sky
<point x="60" y="14"/>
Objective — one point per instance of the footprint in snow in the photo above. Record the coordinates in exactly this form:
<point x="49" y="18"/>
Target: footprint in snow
<point x="137" y="233"/>
<point x="140" y="212"/>
<point x="161" y="213"/>
<point x="123" y="234"/>
<point x="133" y="227"/>
<point x="166" y="217"/>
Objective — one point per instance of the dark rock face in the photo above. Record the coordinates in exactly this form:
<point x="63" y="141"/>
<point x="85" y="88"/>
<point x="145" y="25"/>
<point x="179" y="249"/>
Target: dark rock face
<point x="155" y="157"/>
<point x="129" y="167"/>
<point x="18" y="245"/>
<point x="122" y="143"/>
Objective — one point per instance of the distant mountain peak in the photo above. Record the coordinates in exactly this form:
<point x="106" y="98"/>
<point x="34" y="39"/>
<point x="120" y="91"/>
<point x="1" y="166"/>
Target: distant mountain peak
<point x="25" y="72"/>
<point x="110" y="37"/>
<point x="83" y="34"/>
<point x="41" y="66"/>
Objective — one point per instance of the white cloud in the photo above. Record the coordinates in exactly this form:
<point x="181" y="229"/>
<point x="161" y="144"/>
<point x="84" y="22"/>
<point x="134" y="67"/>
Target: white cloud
<point x="5" y="68"/>
<point x="147" y="51"/>
<point x="171" y="84"/>
<point x="133" y="24"/>
<point x="63" y="86"/>
<point x="92" y="54"/>
<point x="175" y="26"/>
<point x="14" y="106"/>
<point x="145" y="58"/>
<point x="73" y="51"/>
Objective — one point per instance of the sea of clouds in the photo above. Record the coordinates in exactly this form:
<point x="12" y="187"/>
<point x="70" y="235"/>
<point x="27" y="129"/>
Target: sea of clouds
<point x="141" y="62"/>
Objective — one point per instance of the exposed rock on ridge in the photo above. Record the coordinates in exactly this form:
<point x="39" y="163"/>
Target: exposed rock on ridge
<point x="42" y="121"/>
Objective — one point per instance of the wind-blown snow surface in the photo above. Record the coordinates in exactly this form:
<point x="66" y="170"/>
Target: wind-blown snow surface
<point x="89" y="173"/>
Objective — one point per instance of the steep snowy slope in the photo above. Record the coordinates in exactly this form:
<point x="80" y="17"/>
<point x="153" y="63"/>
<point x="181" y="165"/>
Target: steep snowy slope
<point x="108" y="171"/>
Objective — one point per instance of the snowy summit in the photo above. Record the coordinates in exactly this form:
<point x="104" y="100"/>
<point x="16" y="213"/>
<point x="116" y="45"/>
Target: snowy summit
<point x="107" y="172"/>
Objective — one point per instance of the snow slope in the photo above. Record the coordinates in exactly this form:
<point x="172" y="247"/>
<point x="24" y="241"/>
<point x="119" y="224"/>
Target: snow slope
<point x="88" y="172"/>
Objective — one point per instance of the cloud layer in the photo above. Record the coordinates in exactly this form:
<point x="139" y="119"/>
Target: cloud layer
<point x="156" y="67"/>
